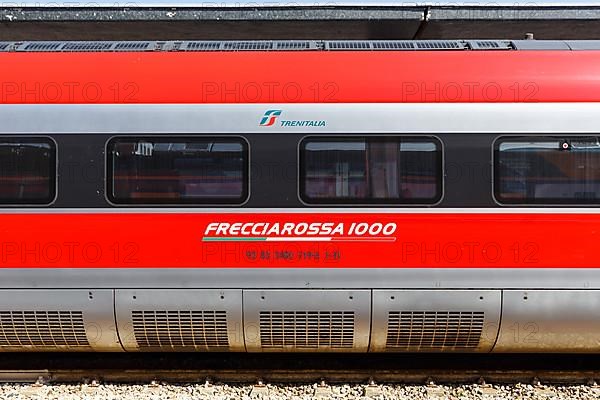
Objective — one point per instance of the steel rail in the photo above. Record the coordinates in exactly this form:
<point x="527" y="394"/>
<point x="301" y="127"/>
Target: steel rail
<point x="300" y="368"/>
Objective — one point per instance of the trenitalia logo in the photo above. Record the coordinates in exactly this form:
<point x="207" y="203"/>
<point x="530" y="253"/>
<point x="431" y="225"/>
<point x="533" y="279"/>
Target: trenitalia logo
<point x="270" y="118"/>
<point x="300" y="232"/>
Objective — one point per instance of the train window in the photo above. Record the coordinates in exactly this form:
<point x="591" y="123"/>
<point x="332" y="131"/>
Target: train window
<point x="173" y="170"/>
<point x="27" y="170"/>
<point x="547" y="170"/>
<point x="371" y="170"/>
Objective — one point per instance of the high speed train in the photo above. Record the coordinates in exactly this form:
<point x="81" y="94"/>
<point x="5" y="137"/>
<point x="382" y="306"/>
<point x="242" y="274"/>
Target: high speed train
<point x="280" y="196"/>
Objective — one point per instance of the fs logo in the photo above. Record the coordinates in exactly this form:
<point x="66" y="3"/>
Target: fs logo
<point x="270" y="117"/>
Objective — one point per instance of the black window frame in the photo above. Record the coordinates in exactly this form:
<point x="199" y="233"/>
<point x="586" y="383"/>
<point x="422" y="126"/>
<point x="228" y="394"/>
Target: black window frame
<point x="198" y="202"/>
<point x="53" y="171"/>
<point x="545" y="202"/>
<point x="365" y="202"/>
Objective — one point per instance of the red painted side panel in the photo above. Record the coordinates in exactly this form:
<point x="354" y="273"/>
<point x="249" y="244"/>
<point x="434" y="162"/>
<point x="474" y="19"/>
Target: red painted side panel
<point x="215" y="241"/>
<point x="300" y="77"/>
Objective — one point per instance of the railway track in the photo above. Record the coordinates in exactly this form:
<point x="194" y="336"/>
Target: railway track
<point x="300" y="368"/>
<point x="299" y="377"/>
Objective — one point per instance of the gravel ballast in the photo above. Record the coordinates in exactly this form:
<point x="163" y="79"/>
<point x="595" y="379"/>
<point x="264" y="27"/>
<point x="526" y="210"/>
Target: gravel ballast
<point x="297" y="392"/>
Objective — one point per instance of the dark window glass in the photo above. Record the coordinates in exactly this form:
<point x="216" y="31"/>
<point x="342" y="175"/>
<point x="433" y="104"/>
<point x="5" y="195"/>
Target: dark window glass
<point x="371" y="170"/>
<point x="547" y="170"/>
<point x="27" y="170"/>
<point x="178" y="170"/>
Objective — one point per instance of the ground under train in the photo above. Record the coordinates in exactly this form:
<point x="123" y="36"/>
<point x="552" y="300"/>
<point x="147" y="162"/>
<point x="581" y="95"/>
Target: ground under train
<point x="142" y="181"/>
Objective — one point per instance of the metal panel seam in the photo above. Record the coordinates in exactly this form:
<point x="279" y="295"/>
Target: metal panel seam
<point x="499" y="321"/>
<point x="118" y="331"/>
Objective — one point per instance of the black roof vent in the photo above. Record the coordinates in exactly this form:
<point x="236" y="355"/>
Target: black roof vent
<point x="201" y="46"/>
<point x="295" y="45"/>
<point x="490" y="44"/>
<point x="40" y="46"/>
<point x="396" y="45"/>
<point x="347" y="45"/>
<point x="86" y="46"/>
<point x="133" y="46"/>
<point x="440" y="45"/>
<point x="393" y="45"/>
<point x="248" y="45"/>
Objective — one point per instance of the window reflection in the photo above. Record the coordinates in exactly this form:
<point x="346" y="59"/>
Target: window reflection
<point x="548" y="170"/>
<point x="371" y="170"/>
<point x="185" y="170"/>
<point x="27" y="171"/>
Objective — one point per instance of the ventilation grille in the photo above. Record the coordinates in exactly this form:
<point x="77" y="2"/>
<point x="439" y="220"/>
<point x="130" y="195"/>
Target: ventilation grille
<point x="50" y="329"/>
<point x="75" y="46"/>
<point x="393" y="45"/>
<point x="86" y="46"/>
<point x="248" y="46"/>
<point x="201" y="46"/>
<point x="489" y="45"/>
<point x="180" y="329"/>
<point x="262" y="45"/>
<point x="41" y="46"/>
<point x="439" y="45"/>
<point x="434" y="330"/>
<point x="347" y="45"/>
<point x="396" y="45"/>
<point x="307" y="329"/>
<point x="132" y="46"/>
<point x="293" y="45"/>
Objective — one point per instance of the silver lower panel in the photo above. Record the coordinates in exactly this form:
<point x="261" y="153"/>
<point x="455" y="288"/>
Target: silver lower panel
<point x="307" y="320"/>
<point x="356" y="310"/>
<point x="57" y="320"/>
<point x="553" y="321"/>
<point x="180" y="320"/>
<point x="435" y="320"/>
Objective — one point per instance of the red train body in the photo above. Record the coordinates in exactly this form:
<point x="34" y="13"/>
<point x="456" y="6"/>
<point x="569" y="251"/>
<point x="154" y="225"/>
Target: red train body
<point x="439" y="197"/>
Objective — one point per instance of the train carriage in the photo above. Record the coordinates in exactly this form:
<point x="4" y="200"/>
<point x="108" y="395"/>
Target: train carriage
<point x="278" y="196"/>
